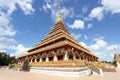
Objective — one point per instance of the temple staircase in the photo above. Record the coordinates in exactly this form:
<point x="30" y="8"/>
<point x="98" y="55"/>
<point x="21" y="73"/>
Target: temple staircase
<point x="94" y="69"/>
<point x="12" y="66"/>
<point x="70" y="68"/>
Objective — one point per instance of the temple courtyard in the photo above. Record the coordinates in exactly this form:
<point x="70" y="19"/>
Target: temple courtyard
<point x="7" y="74"/>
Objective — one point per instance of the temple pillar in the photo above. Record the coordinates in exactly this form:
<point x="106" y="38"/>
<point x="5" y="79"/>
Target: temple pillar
<point x="74" y="56"/>
<point x="40" y="59"/>
<point x="66" y="55"/>
<point x="85" y="57"/>
<point x="55" y="57"/>
<point x="31" y="61"/>
<point x="79" y="57"/>
<point x="35" y="60"/>
<point x="47" y="58"/>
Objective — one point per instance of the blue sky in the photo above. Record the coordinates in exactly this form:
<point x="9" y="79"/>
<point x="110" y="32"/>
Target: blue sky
<point x="94" y="23"/>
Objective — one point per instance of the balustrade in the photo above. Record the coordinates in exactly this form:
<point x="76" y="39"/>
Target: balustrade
<point x="66" y="63"/>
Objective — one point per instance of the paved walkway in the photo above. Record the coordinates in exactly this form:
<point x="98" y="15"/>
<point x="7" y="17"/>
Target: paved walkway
<point x="6" y="74"/>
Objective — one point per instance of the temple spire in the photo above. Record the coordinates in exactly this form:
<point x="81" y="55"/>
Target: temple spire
<point x="59" y="18"/>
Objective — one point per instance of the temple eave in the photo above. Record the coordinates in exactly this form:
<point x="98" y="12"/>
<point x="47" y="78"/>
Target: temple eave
<point x="56" y="37"/>
<point x="57" y="45"/>
<point x="60" y="44"/>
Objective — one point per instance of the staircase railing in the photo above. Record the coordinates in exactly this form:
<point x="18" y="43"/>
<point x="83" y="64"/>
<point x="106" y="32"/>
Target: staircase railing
<point x="95" y="67"/>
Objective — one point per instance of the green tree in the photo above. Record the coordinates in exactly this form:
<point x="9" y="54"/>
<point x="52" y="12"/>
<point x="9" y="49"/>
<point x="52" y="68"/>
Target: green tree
<point x="5" y="59"/>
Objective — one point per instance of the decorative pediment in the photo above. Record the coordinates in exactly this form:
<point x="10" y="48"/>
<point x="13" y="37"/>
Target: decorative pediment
<point x="50" y="53"/>
<point x="44" y="54"/>
<point x="38" y="56"/>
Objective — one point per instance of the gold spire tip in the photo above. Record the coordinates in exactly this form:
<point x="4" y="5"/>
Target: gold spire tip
<point x="59" y="18"/>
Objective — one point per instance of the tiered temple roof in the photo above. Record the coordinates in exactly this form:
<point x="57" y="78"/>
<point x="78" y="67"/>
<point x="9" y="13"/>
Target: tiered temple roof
<point x="57" y="37"/>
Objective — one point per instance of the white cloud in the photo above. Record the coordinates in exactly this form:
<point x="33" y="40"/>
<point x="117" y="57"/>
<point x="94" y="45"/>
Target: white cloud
<point x="6" y="42"/>
<point x="83" y="44"/>
<point x="89" y="26"/>
<point x="76" y="36"/>
<point x="84" y="9"/>
<point x="46" y="7"/>
<point x="78" y="24"/>
<point x="96" y="13"/>
<point x="108" y="6"/>
<point x="53" y="8"/>
<point x="99" y="43"/>
<point x="111" y="5"/>
<point x="112" y="47"/>
<point x="102" y="49"/>
<point x="19" y="49"/>
<point x="67" y="12"/>
<point x="2" y="50"/>
<point x="5" y="27"/>
<point x="12" y="55"/>
<point x="11" y="5"/>
<point x="7" y="7"/>
<point x="26" y="6"/>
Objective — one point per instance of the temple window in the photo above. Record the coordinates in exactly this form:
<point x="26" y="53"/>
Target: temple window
<point x="43" y="59"/>
<point x="29" y="60"/>
<point x="60" y="57"/>
<point x="81" y="58"/>
<point x="77" y="57"/>
<point x="70" y="57"/>
<point x="33" y="60"/>
<point x="38" y="60"/>
<point x="50" y="58"/>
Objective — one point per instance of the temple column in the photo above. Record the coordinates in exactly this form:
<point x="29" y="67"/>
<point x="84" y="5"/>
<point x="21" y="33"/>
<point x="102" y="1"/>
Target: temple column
<point x="55" y="57"/>
<point x="35" y="60"/>
<point x="47" y="58"/>
<point x="79" y="57"/>
<point x="74" y="55"/>
<point x="82" y="55"/>
<point x="90" y="58"/>
<point x="66" y="55"/>
<point x="41" y="59"/>
<point x="31" y="61"/>
<point x="86" y="57"/>
<point x="93" y="59"/>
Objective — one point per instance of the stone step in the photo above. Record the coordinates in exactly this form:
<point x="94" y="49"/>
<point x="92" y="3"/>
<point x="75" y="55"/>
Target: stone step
<point x="68" y="72"/>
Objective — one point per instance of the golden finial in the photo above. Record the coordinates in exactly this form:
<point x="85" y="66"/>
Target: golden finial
<point x="59" y="18"/>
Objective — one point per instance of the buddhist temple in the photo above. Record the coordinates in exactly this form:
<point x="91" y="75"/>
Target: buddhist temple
<point x="58" y="50"/>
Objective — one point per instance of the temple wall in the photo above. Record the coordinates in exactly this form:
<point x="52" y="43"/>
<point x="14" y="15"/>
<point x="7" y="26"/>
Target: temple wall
<point x="68" y="72"/>
<point x="59" y="54"/>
